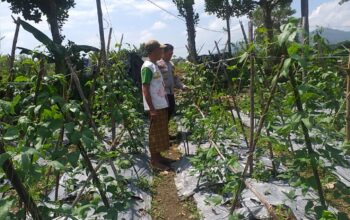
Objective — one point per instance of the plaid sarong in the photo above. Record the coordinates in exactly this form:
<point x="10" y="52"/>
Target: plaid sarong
<point x="158" y="132"/>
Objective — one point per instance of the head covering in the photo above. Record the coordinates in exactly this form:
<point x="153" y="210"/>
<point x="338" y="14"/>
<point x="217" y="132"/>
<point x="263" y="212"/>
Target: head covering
<point x="168" y="47"/>
<point x="151" y="45"/>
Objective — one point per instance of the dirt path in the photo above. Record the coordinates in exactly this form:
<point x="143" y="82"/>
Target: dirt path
<point x="165" y="202"/>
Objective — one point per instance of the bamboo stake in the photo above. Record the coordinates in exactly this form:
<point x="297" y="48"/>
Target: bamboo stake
<point x="348" y="101"/>
<point x="246" y="183"/>
<point x="41" y="73"/>
<point x="244" y="34"/>
<point x="308" y="143"/>
<point x="16" y="182"/>
<point x="92" y="123"/>
<point x="272" y="158"/>
<point x="13" y="50"/>
<point x="251" y="95"/>
<point x="257" y="135"/>
<point x="235" y="105"/>
<point x="121" y="42"/>
<point x="95" y="179"/>
<point x="109" y="40"/>
<point x="102" y="35"/>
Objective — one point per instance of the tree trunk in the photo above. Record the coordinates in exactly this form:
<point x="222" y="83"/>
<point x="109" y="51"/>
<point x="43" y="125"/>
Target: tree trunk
<point x="268" y="22"/>
<point x="191" y="33"/>
<point x="60" y="67"/>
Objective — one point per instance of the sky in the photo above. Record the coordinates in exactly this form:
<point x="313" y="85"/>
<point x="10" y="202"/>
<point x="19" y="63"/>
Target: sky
<point x="140" y="20"/>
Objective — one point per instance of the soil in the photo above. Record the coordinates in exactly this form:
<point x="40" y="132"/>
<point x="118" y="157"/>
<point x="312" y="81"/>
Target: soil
<point x="165" y="202"/>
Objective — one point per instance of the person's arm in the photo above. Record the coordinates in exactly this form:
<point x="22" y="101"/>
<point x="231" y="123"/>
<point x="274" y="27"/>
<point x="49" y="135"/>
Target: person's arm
<point x="177" y="82"/>
<point x="147" y="94"/>
<point x="146" y="77"/>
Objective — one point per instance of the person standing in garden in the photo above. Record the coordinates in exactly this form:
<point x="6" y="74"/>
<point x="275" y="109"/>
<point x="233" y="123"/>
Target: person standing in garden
<point x="171" y="81"/>
<point x="155" y="103"/>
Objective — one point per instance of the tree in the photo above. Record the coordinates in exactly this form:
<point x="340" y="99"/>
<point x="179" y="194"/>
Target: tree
<point x="343" y="1"/>
<point x="267" y="7"/>
<point x="56" y="12"/>
<point x="224" y="10"/>
<point x="280" y="15"/>
<point x="185" y="8"/>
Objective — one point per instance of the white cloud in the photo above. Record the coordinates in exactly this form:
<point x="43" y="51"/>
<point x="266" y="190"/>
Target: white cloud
<point x="158" y="25"/>
<point x="331" y="14"/>
<point x="145" y="35"/>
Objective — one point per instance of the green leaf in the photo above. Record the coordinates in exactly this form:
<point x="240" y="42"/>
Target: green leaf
<point x="85" y="48"/>
<point x="216" y="200"/>
<point x="211" y="153"/>
<point x="73" y="158"/>
<point x="22" y="79"/>
<point x="307" y="122"/>
<point x="4" y="157"/>
<point x="285" y="68"/>
<point x="5" y="207"/>
<point x="87" y="141"/>
<point x="11" y="134"/>
<point x="56" y="50"/>
<point x="56" y="165"/>
<point x="6" y="108"/>
<point x="244" y="56"/>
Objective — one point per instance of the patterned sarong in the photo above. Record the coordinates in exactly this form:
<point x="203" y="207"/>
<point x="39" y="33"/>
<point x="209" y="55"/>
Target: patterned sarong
<point x="158" y="132"/>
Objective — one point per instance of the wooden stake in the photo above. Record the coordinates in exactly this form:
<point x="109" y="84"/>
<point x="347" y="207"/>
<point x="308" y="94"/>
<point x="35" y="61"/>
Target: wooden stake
<point x="244" y="34"/>
<point x="347" y="139"/>
<point x="41" y="73"/>
<point x="235" y="105"/>
<point x="121" y="42"/>
<point x="16" y="182"/>
<point x="311" y="152"/>
<point x="13" y="51"/>
<point x="305" y="19"/>
<point x="251" y="95"/>
<point x="257" y="136"/>
<point x="246" y="182"/>
<point x="109" y="40"/>
<point x="102" y="35"/>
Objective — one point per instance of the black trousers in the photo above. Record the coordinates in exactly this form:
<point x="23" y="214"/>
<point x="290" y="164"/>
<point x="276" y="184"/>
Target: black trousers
<point x="171" y="109"/>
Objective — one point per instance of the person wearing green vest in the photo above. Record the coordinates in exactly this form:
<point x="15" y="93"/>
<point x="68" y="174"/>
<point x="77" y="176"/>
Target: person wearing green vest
<point x="155" y="103"/>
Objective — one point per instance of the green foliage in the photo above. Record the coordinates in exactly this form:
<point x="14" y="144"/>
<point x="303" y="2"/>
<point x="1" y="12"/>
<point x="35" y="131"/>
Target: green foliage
<point x="34" y="10"/>
<point x="321" y="89"/>
<point x="185" y="8"/>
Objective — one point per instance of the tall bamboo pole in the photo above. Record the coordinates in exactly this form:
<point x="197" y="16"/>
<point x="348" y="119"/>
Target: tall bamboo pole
<point x="310" y="151"/>
<point x="251" y="94"/>
<point x="102" y="35"/>
<point x="13" y="50"/>
<point x="16" y="182"/>
<point x="305" y="19"/>
<point x="109" y="40"/>
<point x="348" y="101"/>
